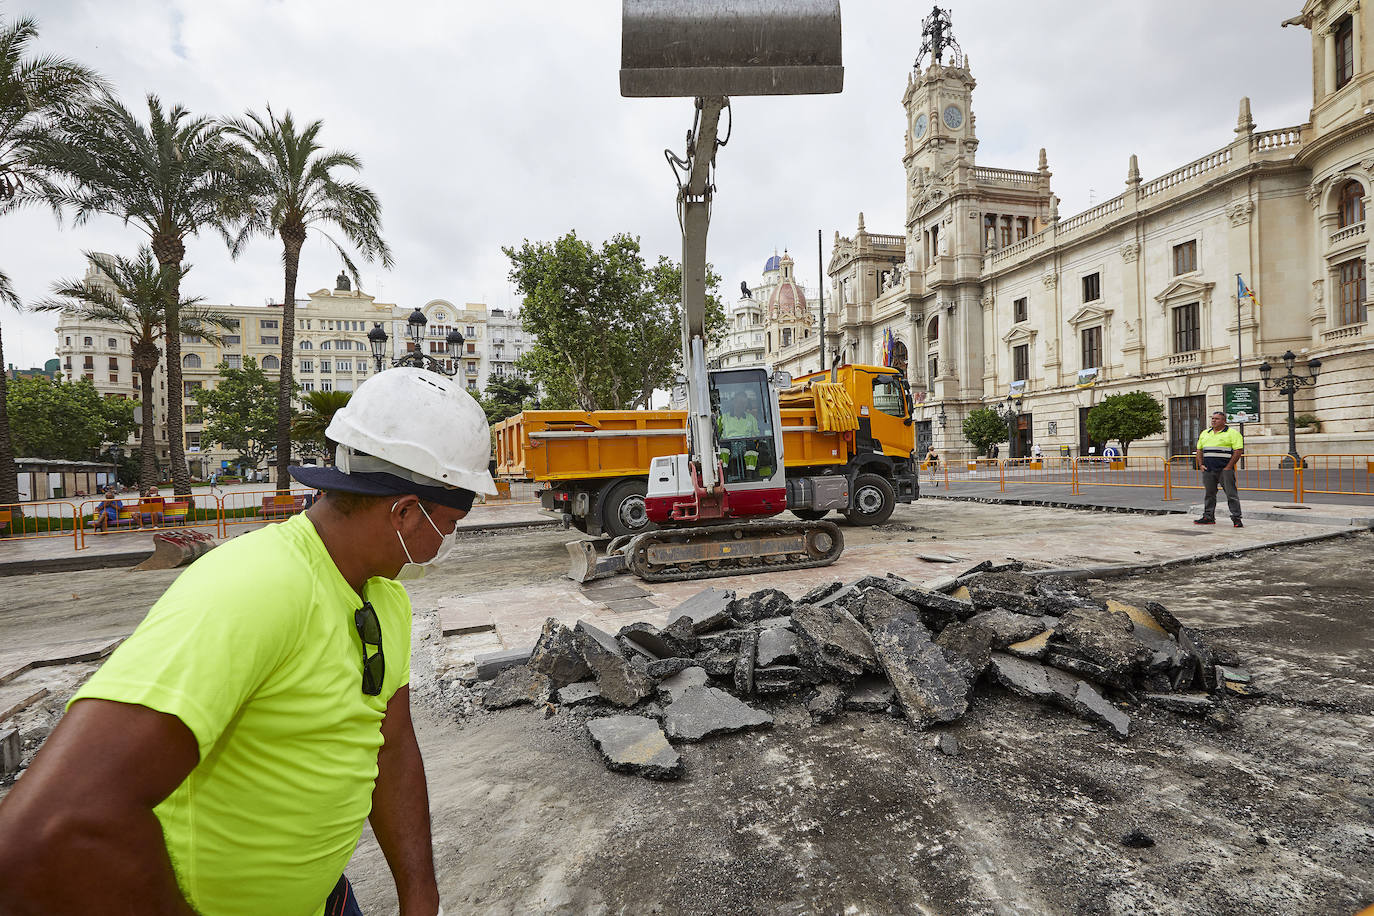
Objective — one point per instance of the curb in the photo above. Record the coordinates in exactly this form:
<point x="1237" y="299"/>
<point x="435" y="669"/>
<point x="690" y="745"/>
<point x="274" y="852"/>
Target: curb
<point x="1054" y="504"/>
<point x="1134" y="569"/>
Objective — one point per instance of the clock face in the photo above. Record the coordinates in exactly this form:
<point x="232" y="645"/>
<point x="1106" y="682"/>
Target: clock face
<point x="920" y="127"/>
<point x="953" y="117"/>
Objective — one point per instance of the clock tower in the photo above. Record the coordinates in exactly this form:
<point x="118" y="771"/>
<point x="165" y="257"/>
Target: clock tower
<point x="939" y="102"/>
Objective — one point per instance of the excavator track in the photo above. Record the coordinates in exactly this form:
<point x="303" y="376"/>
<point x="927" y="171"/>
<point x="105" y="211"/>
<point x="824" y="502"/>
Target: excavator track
<point x="677" y="554"/>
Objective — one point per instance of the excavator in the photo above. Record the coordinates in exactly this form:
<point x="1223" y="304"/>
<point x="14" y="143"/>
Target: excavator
<point x="712" y="505"/>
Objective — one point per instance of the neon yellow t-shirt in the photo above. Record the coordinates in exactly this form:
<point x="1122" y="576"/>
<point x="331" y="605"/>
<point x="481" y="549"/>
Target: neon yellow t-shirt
<point x="254" y="648"/>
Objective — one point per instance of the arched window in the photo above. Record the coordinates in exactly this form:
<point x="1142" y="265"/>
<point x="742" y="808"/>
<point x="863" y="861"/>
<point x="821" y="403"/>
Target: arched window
<point x="306" y="345"/>
<point x="190" y="361"/>
<point x="271" y="362"/>
<point x="933" y="329"/>
<point x="1351" y="203"/>
<point x="324" y="345"/>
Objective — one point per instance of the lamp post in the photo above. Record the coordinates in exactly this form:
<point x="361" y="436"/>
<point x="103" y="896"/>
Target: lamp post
<point x="1008" y="410"/>
<point x="1288" y="384"/>
<point x="415" y="330"/>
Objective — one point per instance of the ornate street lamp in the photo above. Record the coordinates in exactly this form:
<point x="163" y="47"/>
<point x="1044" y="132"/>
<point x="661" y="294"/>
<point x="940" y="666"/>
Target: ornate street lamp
<point x="1288" y="384"/>
<point x="415" y="330"/>
<point x="1008" y="410"/>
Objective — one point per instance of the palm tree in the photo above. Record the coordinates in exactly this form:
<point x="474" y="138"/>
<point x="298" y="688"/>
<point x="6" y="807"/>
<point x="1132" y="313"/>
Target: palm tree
<point x="133" y="294"/>
<point x="170" y="178"/>
<point x="34" y="92"/>
<point x="310" y="424"/>
<point x="299" y="189"/>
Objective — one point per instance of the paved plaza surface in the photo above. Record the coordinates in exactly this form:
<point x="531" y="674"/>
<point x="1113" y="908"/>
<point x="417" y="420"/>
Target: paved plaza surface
<point x="861" y="815"/>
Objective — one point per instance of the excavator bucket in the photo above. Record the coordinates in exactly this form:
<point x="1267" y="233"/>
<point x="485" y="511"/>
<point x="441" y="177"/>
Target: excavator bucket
<point x="730" y="47"/>
<point x="585" y="565"/>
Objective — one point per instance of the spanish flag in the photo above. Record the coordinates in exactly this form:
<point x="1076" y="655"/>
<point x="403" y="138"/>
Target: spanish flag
<point x="1244" y="292"/>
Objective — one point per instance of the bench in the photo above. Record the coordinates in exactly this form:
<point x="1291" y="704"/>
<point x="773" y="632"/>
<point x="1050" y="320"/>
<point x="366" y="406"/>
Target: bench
<point x="282" y="506"/>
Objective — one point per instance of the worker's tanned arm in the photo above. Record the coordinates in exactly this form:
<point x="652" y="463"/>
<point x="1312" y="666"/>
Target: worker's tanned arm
<point x="400" y="811"/>
<point x="1235" y="459"/>
<point x="77" y="832"/>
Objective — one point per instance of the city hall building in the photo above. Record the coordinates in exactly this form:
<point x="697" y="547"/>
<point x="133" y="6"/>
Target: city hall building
<point x="990" y="296"/>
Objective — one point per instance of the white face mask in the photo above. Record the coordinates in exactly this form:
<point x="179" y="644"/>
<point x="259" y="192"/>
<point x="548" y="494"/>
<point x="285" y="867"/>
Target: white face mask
<point x="412" y="570"/>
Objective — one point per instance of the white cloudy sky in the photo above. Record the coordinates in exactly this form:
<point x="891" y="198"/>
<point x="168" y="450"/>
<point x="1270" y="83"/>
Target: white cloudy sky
<point x="481" y="124"/>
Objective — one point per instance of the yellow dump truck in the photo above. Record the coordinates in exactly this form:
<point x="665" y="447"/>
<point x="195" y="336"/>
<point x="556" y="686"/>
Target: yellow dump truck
<point x="847" y="444"/>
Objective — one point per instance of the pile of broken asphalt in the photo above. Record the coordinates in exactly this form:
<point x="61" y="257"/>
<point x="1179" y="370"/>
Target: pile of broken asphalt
<point x="880" y="644"/>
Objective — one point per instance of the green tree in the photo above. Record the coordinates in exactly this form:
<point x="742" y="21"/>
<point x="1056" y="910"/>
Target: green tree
<point x="34" y="92"/>
<point x="1126" y="417"/>
<point x="171" y="178"/>
<point x="608" y="324"/>
<point x="505" y="396"/>
<point x="131" y="293"/>
<point x="982" y="427"/>
<point x="241" y="412"/>
<point x="309" y="426"/>
<point x="65" y="420"/>
<point x="299" y="187"/>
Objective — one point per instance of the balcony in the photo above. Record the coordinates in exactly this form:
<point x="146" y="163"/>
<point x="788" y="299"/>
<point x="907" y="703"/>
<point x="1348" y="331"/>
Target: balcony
<point x="1346" y="333"/>
<point x="1184" y="359"/>
<point x="1348" y="234"/>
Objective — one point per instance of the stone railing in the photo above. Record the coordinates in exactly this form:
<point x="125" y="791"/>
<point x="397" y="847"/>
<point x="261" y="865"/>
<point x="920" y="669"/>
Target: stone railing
<point x="1026" y="244"/>
<point x="1348" y="233"/>
<point x="1092" y="215"/>
<point x="1287" y="139"/>
<point x="891" y="241"/>
<point x="1184" y="359"/>
<point x="1003" y="176"/>
<point x="1353" y="330"/>
<point x="1195" y="169"/>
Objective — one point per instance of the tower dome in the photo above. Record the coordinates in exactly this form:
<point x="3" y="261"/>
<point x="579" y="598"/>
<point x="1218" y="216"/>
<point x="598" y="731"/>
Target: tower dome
<point x="772" y="263"/>
<point x="787" y="302"/>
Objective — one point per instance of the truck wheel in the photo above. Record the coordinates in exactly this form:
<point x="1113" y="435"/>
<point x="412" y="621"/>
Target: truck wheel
<point x="873" y="500"/>
<point x="623" y="511"/>
<point x="811" y="515"/>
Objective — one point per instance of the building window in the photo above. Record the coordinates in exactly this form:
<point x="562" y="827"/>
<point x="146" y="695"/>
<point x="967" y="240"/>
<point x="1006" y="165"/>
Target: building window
<point x="471" y="331"/>
<point x="325" y="366"/>
<point x="344" y="365"/>
<point x="190" y="361"/>
<point x="195" y="413"/>
<point x="1022" y="227"/>
<point x="307" y="386"/>
<point x="1345" y="51"/>
<point x="472" y="348"/>
<point x="111" y="344"/>
<point x="1092" y="289"/>
<point x="267" y="324"/>
<point x="307" y="365"/>
<point x="990" y="230"/>
<point x="1020" y="309"/>
<point x="271" y="341"/>
<point x="1006" y="231"/>
<point x="271" y="362"/>
<point x="1351" y="203"/>
<point x="934" y="368"/>
<point x="193" y="440"/>
<point x="69" y="341"/>
<point x="191" y="339"/>
<point x="787" y="337"/>
<point x="326" y="345"/>
<point x="232" y="340"/>
<point x="1350" y="279"/>
<point x="1092" y="347"/>
<point x="1185" y="257"/>
<point x="90" y="341"/>
<point x="1020" y="362"/>
<point x="114" y="380"/>
<point x="326" y="385"/>
<point x="1187" y="329"/>
<point x="188" y="387"/>
<point x="114" y="364"/>
<point x="933" y="331"/>
<point x="234" y="362"/>
<point x="306" y="345"/>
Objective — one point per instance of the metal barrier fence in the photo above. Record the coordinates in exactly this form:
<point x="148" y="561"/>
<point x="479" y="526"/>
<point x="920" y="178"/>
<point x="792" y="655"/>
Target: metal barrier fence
<point x="1255" y="473"/>
<point x="1348" y="475"/>
<point x="49" y="519"/>
<point x="1049" y="469"/>
<point x="1143" y="471"/>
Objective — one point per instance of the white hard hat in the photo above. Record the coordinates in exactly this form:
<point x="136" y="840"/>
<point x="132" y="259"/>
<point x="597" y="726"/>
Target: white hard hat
<point x="415" y="424"/>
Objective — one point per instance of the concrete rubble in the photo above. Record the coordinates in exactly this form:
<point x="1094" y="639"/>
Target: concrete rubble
<point x="721" y="663"/>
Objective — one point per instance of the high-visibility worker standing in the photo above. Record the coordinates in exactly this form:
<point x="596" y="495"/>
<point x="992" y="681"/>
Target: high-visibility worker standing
<point x="1218" y="451"/>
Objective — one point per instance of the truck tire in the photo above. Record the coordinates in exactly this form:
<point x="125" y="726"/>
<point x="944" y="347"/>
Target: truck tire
<point x="872" y="502"/>
<point x="810" y="515"/>
<point x="622" y="509"/>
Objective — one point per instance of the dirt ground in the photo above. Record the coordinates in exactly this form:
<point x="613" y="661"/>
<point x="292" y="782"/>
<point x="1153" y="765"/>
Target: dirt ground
<point x="863" y="815"/>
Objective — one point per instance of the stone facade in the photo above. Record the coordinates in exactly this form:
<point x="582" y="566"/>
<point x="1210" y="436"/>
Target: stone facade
<point x="988" y="289"/>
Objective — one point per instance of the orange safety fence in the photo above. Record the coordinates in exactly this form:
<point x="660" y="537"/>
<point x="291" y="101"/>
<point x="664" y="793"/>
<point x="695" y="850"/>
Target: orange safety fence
<point x="1256" y="473"/>
<point x="144" y="514"/>
<point x="26" y="521"/>
<point x="256" y="507"/>
<point x="1150" y="471"/>
<point x="1047" y="469"/>
<point x="1349" y="475"/>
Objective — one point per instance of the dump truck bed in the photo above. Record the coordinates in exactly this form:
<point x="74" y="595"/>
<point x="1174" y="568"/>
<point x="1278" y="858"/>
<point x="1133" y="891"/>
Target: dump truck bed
<point x="552" y="445"/>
